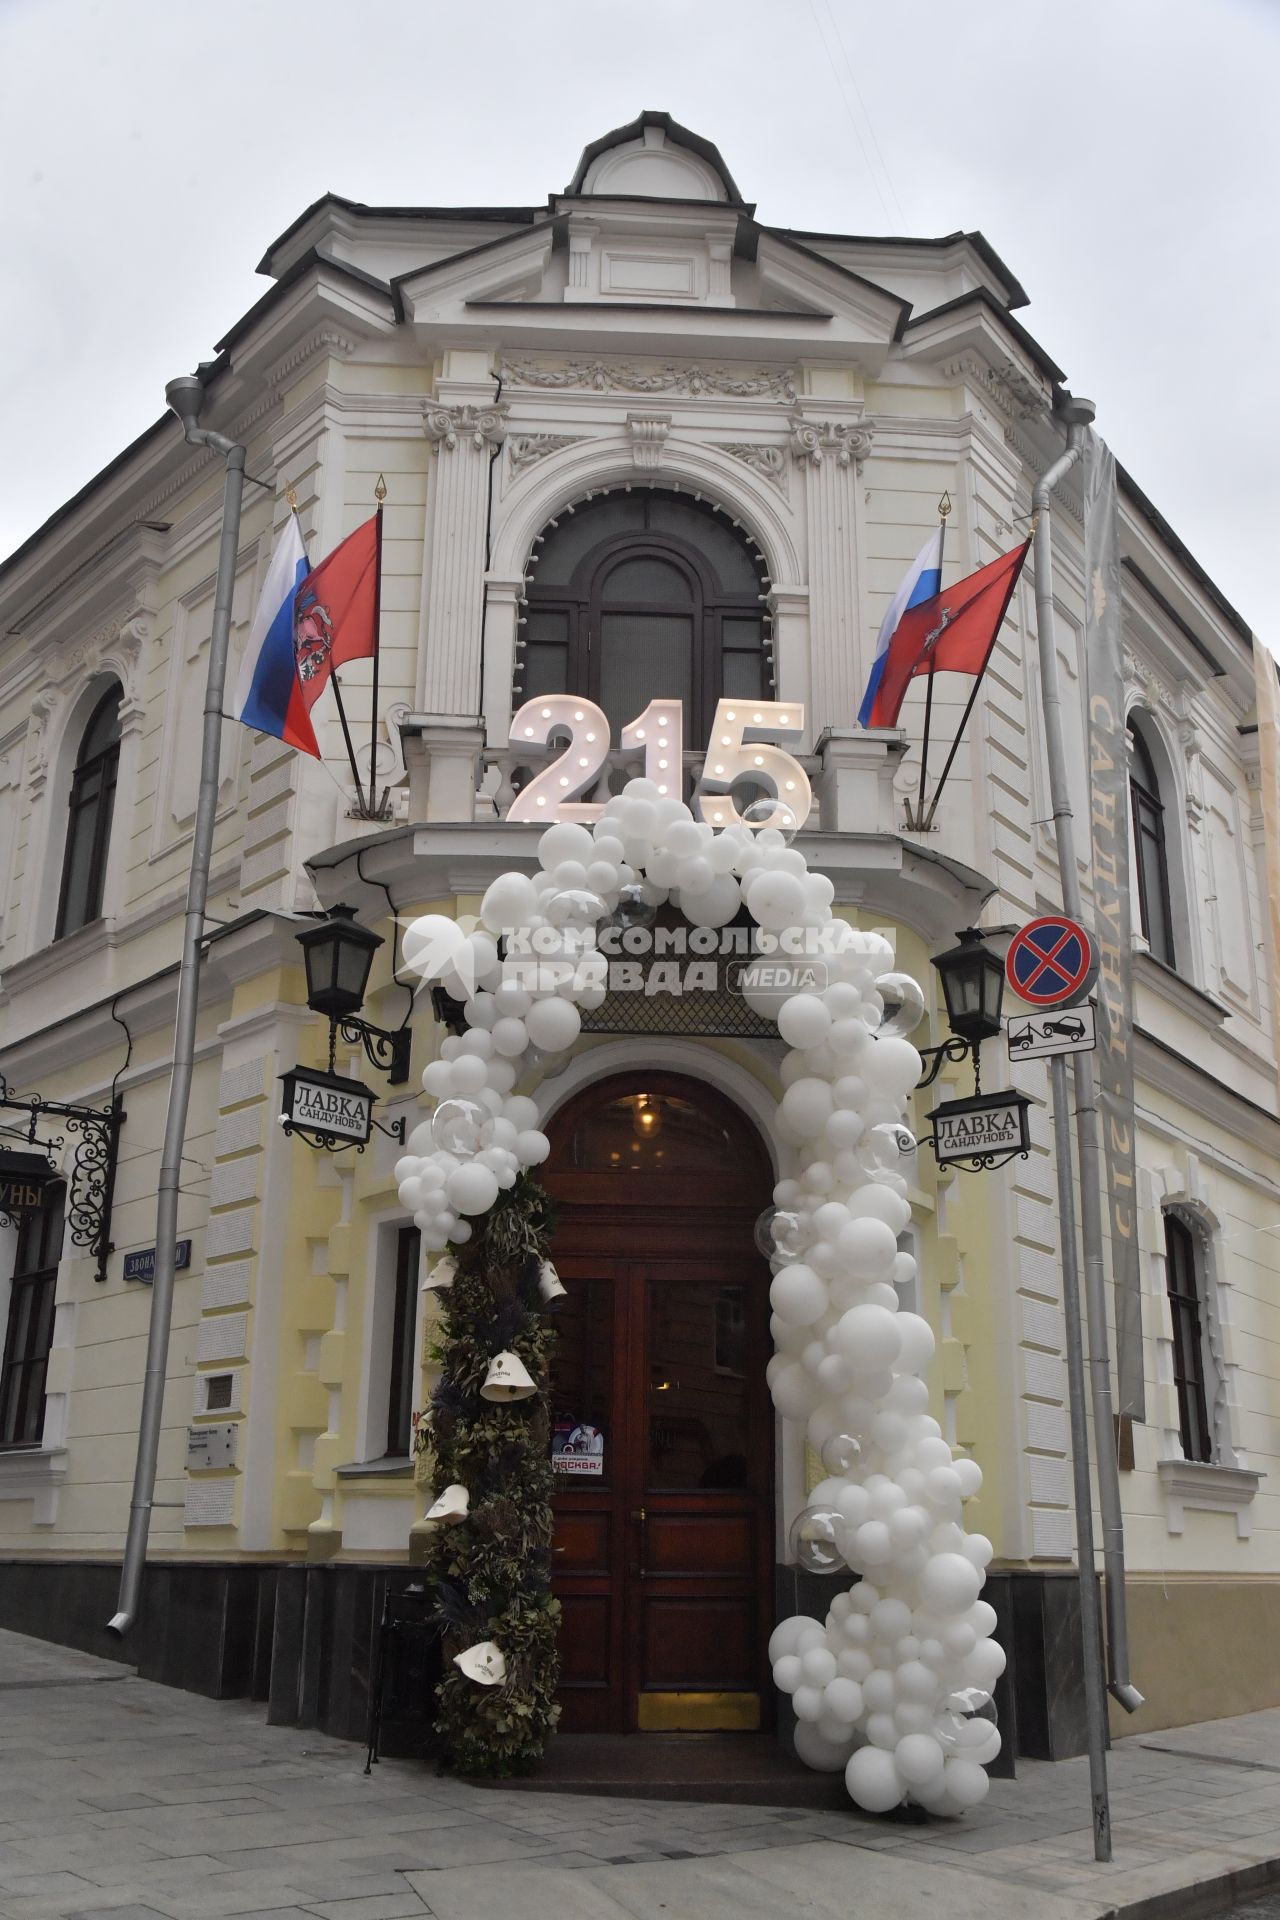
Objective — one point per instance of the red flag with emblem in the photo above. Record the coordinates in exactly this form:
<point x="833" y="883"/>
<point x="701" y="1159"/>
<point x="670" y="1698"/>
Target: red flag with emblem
<point x="952" y="633"/>
<point x="335" y="611"/>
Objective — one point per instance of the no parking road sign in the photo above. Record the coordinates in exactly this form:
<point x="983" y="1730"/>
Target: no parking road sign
<point x="1050" y="962"/>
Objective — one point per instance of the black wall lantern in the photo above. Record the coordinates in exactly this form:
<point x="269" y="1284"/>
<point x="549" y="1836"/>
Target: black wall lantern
<point x="338" y="953"/>
<point x="973" y="988"/>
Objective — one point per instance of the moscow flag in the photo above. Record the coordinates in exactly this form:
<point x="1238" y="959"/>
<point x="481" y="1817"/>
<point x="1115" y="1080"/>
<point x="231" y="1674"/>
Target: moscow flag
<point x="953" y="632"/>
<point x="335" y="611"/>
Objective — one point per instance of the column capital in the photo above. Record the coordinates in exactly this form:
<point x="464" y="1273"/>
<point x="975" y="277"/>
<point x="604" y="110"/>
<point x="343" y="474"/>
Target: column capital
<point x="449" y="427"/>
<point x="846" y="442"/>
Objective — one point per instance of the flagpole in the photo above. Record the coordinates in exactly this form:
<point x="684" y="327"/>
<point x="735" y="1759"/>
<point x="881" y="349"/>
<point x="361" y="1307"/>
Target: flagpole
<point x="944" y="508"/>
<point x="379" y="494"/>
<point x="964" y="718"/>
<point x="346" y="734"/>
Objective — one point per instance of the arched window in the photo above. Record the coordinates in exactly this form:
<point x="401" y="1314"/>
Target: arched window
<point x="1155" y="913"/>
<point x="641" y="595"/>
<point x="1184" y="1279"/>
<point x="93" y="793"/>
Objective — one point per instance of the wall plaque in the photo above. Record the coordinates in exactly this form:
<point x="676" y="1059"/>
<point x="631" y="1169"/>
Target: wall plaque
<point x="211" y="1446"/>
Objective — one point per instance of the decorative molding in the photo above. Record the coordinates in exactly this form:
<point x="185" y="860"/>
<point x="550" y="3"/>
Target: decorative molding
<point x="34" y="1474"/>
<point x="1006" y="386"/>
<point x="43" y="707"/>
<point x="1147" y="684"/>
<point x="599" y="376"/>
<point x="761" y="458"/>
<point x="813" y="440"/>
<point x="1212" y="1488"/>
<point x="448" y="427"/>
<point x="323" y="340"/>
<point x="523" y="449"/>
<point x="648" y="436"/>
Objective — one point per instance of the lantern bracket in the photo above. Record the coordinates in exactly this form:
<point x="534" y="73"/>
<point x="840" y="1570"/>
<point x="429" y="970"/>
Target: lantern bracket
<point x="954" y="1049"/>
<point x="387" y="1051"/>
<point x="92" y="1181"/>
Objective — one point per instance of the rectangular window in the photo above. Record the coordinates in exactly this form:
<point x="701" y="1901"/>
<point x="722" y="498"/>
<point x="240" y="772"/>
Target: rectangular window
<point x="403" y="1322"/>
<point x="29" y="1332"/>
<point x="1182" y="1274"/>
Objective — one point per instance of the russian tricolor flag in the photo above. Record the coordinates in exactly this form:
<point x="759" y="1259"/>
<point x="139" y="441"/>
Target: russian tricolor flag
<point x="922" y="580"/>
<point x="269" y="695"/>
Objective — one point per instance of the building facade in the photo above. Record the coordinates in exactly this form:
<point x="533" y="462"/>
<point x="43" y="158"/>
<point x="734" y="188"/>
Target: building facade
<point x="637" y="446"/>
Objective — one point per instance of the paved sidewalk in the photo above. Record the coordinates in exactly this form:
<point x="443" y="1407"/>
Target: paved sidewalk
<point x="124" y="1799"/>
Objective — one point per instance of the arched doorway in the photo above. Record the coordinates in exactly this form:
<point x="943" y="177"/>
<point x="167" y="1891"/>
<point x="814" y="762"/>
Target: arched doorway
<point x="664" y="1508"/>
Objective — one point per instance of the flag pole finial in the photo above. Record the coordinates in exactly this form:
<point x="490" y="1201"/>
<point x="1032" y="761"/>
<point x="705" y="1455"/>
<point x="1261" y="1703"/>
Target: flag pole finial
<point x="291" y="495"/>
<point x="944" y="506"/>
<point x="380" y="489"/>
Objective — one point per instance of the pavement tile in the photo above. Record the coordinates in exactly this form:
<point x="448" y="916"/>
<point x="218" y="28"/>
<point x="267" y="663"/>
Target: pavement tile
<point x="548" y="1893"/>
<point x="395" y="1906"/>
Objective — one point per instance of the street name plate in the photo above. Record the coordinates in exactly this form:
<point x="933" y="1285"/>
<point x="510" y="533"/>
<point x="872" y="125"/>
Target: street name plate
<point x="211" y="1446"/>
<point x="142" y="1264"/>
<point x="1037" y="1036"/>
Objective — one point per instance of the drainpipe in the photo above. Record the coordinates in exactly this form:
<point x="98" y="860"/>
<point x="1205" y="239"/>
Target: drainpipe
<point x="184" y="396"/>
<point x="1079" y="415"/>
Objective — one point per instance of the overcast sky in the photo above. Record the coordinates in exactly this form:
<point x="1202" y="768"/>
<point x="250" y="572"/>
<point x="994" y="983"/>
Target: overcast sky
<point x="1123" y="156"/>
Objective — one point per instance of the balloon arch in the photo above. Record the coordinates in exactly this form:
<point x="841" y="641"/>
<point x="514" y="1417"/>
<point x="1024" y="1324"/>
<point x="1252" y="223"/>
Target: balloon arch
<point x="893" y="1686"/>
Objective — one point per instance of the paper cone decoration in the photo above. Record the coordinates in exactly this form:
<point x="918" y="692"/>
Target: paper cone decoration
<point x="443" y="1274"/>
<point x="507" y="1379"/>
<point x="484" y="1663"/>
<point x="550" y="1285"/>
<point x="449" y="1508"/>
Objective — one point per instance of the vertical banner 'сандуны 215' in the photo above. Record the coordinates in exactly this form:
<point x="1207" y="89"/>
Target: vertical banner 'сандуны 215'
<point x="1109" y="841"/>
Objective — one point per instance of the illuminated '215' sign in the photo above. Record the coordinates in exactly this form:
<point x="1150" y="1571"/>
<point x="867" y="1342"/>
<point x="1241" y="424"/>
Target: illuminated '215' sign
<point x="658" y="732"/>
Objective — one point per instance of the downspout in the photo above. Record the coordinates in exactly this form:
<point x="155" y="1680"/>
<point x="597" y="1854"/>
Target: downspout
<point x="1079" y="415"/>
<point x="184" y="397"/>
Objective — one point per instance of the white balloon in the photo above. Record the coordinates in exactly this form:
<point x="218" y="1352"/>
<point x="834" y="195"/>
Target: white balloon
<point x="816" y="1751"/>
<point x="553" y="1024"/>
<point x="873" y="1780"/>
<point x="919" y="1759"/>
<point x="532" y="1147"/>
<point x="949" y="1584"/>
<point x="797" y="1295"/>
<point x="510" y="903"/>
<point x="472" y="1189"/>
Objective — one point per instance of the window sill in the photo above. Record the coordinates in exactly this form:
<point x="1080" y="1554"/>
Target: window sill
<point x="1169" y="985"/>
<point x="35" y="1474"/>
<point x="394" y="1467"/>
<point x="1207" y="1485"/>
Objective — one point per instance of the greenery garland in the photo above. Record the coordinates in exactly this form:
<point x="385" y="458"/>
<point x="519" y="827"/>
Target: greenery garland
<point x="492" y="1571"/>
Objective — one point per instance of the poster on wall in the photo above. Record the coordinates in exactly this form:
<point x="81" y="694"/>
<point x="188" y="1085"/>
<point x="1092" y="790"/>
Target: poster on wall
<point x="576" y="1448"/>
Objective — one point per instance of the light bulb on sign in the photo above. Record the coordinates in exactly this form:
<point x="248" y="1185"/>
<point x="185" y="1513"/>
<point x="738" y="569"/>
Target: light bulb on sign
<point x="647" y="731"/>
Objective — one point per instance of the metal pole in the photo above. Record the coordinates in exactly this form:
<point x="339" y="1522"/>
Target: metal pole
<point x="1079" y="413"/>
<point x="184" y="1038"/>
<point x="1095" y="1697"/>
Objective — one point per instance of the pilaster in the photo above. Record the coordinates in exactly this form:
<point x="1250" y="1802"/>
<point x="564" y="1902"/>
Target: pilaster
<point x="465" y="429"/>
<point x="829" y="452"/>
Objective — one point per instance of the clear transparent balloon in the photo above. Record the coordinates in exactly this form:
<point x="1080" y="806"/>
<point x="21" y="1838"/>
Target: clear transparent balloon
<point x="903" y="1005"/>
<point x="457" y="1127"/>
<point x="840" y="1454"/>
<point x="887" y="1145"/>
<point x="576" y="908"/>
<point x="775" y="815"/>
<point x="636" y="907"/>
<point x="815" y="1540"/>
<point x="779" y="1234"/>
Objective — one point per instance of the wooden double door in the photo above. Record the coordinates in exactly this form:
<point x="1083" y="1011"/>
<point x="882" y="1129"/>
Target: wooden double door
<point x="662" y="1437"/>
